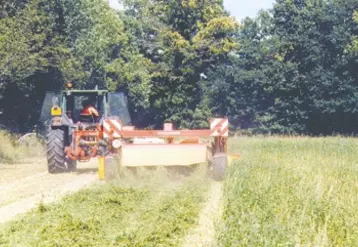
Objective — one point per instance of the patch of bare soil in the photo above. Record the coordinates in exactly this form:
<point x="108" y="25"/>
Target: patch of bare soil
<point x="13" y="172"/>
<point x="204" y="233"/>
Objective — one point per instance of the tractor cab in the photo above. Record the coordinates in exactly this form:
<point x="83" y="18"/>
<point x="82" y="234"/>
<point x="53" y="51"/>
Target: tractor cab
<point x="75" y="101"/>
<point x="64" y="108"/>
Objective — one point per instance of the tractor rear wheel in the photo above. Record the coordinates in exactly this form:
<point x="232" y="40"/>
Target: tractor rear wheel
<point x="55" y="151"/>
<point x="219" y="165"/>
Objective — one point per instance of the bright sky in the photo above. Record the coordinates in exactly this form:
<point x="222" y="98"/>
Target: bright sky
<point x="238" y="8"/>
<point x="242" y="8"/>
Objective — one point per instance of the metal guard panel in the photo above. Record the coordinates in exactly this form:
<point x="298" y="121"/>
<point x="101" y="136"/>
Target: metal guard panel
<point x="135" y="155"/>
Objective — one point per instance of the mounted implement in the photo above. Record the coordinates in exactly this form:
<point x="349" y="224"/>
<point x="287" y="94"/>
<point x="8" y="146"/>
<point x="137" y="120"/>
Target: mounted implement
<point x="71" y="139"/>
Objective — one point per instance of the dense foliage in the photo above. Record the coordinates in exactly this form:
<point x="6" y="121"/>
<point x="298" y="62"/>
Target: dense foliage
<point x="292" y="69"/>
<point x="295" y="70"/>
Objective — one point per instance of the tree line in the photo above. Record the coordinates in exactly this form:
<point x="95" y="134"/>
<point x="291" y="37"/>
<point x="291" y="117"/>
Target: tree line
<point x="291" y="69"/>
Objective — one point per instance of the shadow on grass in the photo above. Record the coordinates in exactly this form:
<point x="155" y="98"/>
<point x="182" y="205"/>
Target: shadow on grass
<point x="184" y="171"/>
<point x="86" y="170"/>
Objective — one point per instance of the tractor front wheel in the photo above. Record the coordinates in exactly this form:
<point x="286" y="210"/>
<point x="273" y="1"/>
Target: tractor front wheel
<point x="55" y="151"/>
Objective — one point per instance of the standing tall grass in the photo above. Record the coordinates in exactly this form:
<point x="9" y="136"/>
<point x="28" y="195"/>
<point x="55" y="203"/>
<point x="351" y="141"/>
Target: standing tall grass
<point x="12" y="152"/>
<point x="292" y="192"/>
<point x="8" y="149"/>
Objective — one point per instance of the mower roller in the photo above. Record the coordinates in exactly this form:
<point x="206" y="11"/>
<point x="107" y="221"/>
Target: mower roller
<point x="70" y="140"/>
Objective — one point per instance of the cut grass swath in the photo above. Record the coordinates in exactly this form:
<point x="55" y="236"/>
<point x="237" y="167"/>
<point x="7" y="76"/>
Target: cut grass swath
<point x="152" y="210"/>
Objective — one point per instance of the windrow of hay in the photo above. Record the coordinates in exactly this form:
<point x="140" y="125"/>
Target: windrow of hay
<point x="149" y="208"/>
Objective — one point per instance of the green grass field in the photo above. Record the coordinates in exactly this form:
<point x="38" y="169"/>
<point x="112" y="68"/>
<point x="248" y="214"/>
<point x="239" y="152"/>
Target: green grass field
<point x="282" y="192"/>
<point x="292" y="192"/>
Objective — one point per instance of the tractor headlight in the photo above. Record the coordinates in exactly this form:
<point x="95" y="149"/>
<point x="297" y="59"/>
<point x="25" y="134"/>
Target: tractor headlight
<point x="116" y="143"/>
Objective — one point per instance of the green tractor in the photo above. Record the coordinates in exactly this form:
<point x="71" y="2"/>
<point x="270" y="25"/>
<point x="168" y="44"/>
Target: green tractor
<point x="70" y="139"/>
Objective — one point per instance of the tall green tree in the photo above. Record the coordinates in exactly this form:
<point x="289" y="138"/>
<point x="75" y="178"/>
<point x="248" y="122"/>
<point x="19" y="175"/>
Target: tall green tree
<point x="30" y="48"/>
<point x="182" y="39"/>
<point x="293" y="72"/>
<point x="235" y="87"/>
<point x="315" y="85"/>
<point x="101" y="48"/>
<point x="46" y="43"/>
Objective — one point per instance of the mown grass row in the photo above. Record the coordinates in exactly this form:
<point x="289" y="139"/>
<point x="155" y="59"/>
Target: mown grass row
<point x="292" y="192"/>
<point x="153" y="209"/>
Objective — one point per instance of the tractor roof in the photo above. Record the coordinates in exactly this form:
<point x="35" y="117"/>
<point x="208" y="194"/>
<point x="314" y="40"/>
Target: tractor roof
<point x="82" y="92"/>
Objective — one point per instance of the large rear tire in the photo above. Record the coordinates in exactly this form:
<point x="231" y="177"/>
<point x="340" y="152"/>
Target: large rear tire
<point x="55" y="151"/>
<point x="219" y="164"/>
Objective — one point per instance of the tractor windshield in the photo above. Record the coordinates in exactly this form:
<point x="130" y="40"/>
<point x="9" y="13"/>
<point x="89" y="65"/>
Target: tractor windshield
<point x="118" y="107"/>
<point x="45" y="116"/>
<point x="50" y="98"/>
<point x="114" y="106"/>
<point x="74" y="104"/>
